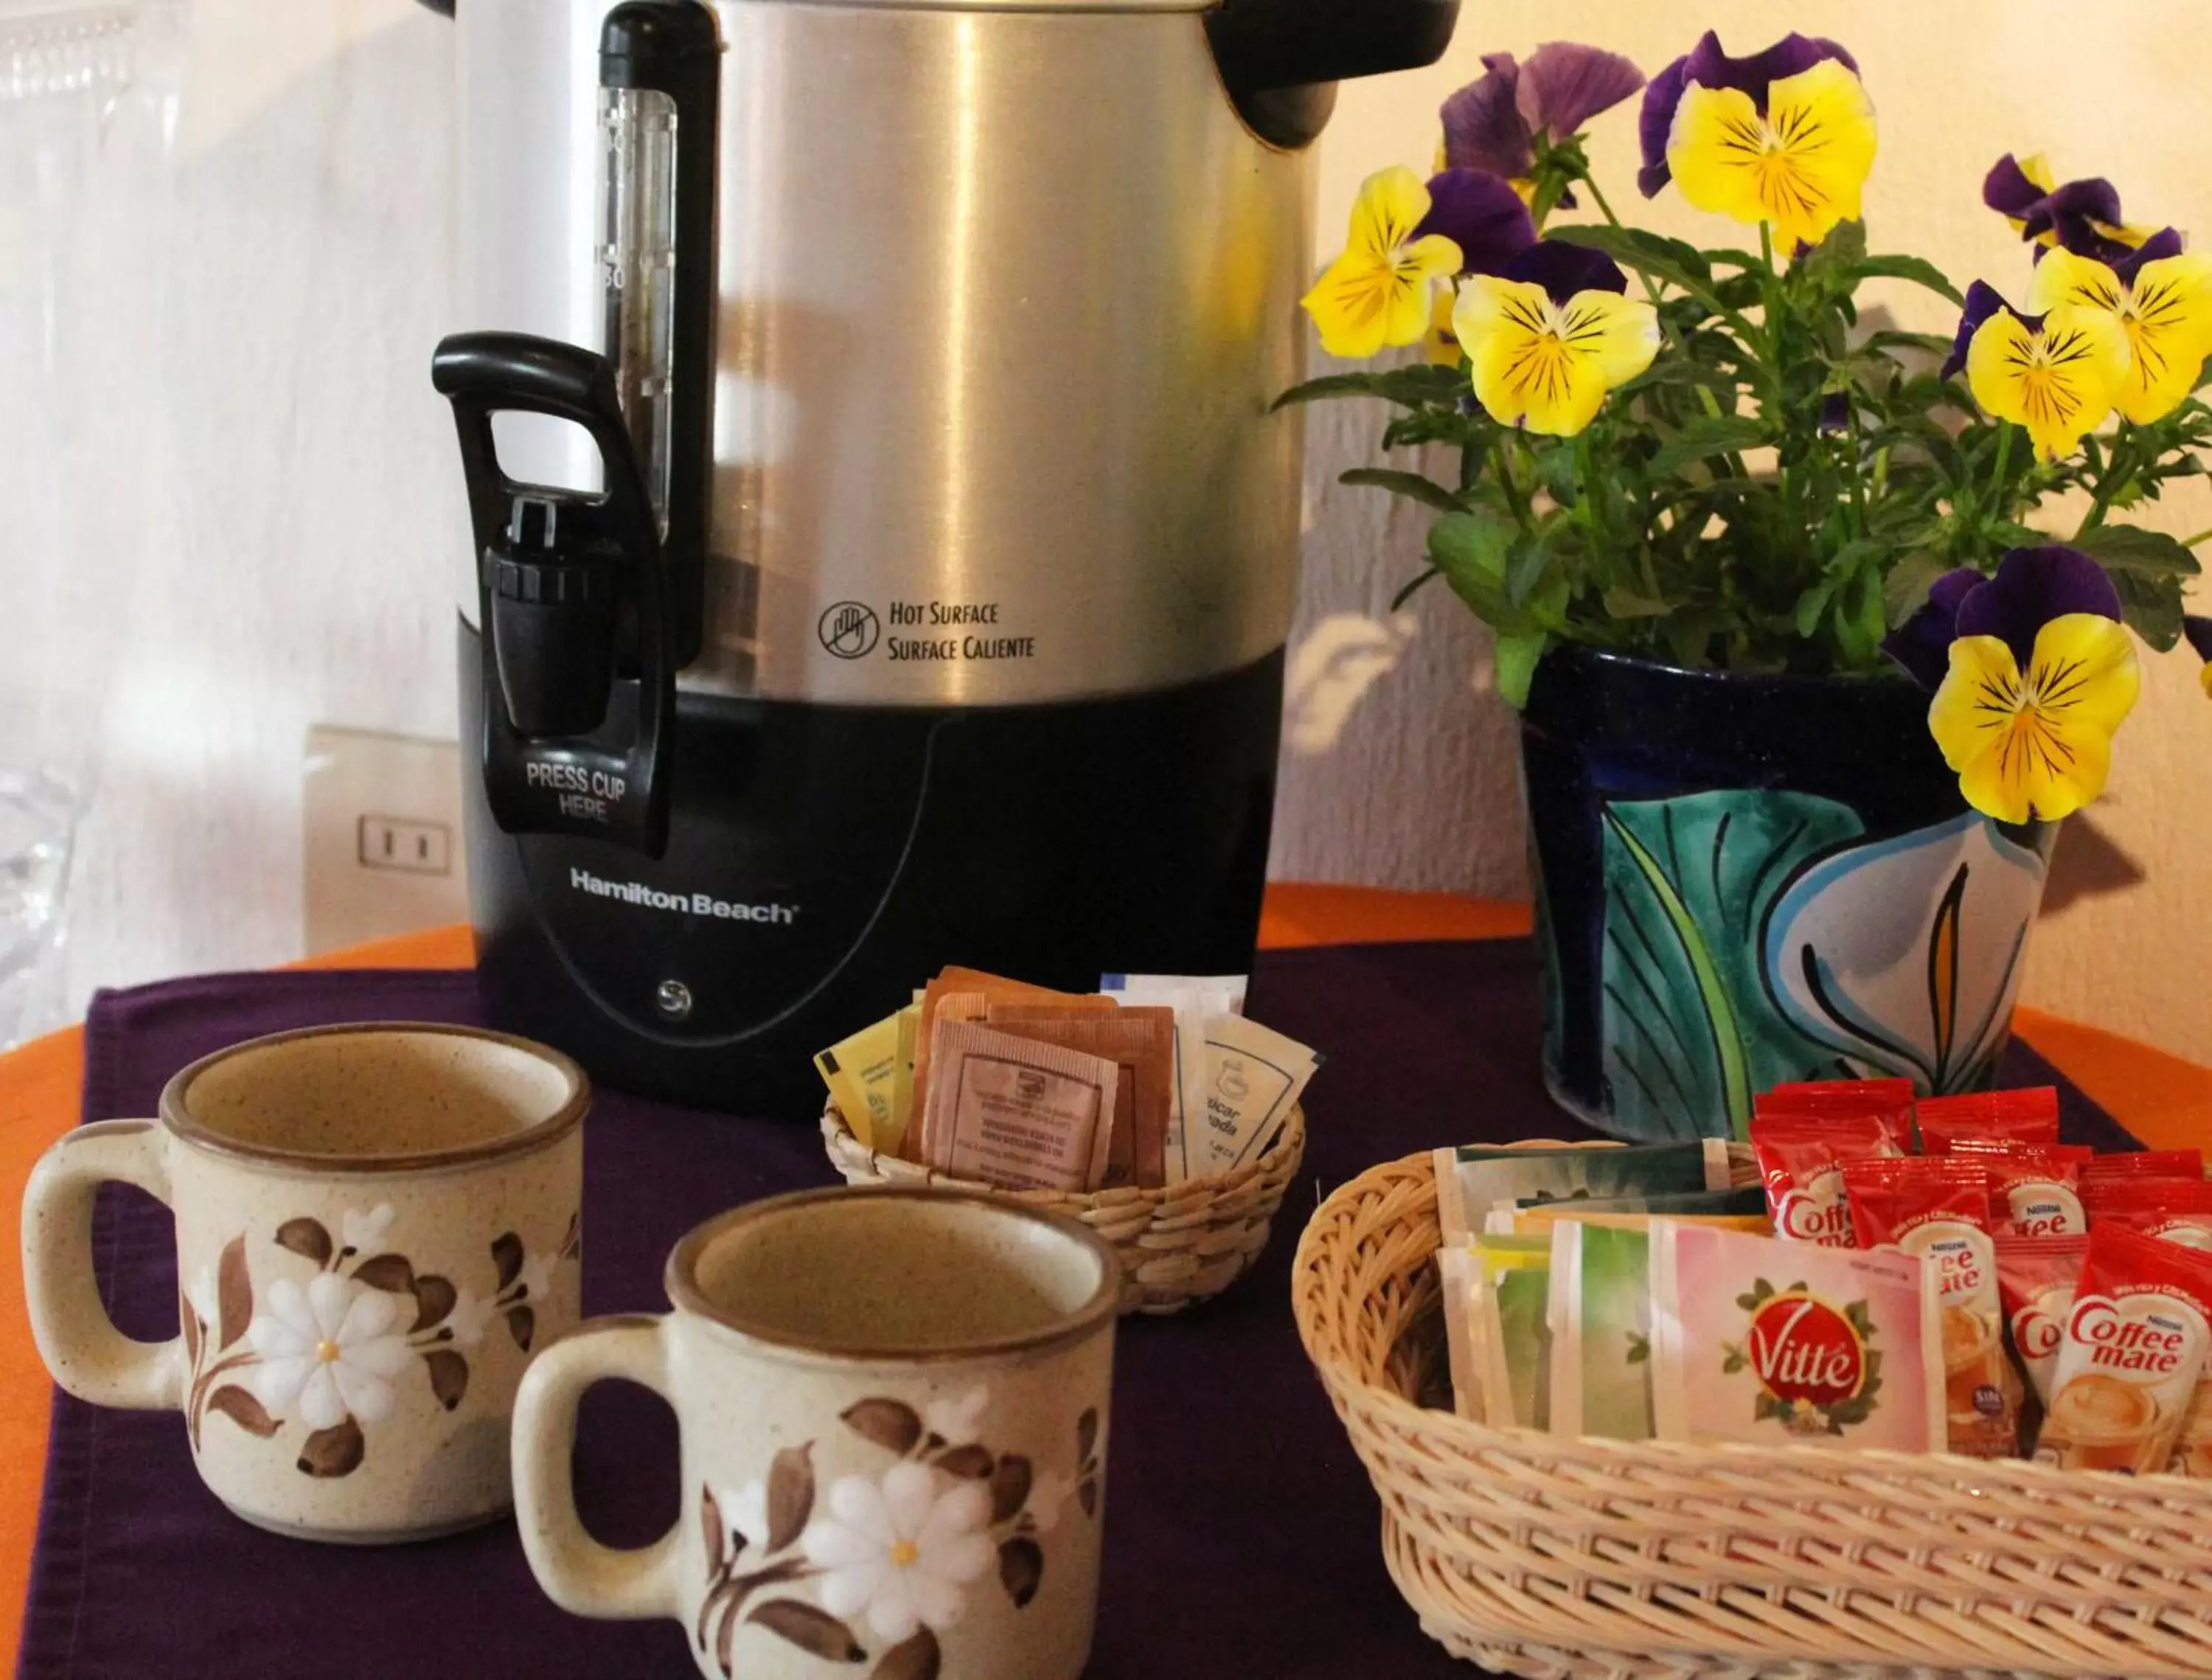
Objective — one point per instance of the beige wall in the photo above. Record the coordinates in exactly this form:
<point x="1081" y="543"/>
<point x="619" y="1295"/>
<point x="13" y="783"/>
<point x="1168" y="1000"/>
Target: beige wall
<point x="1399" y="768"/>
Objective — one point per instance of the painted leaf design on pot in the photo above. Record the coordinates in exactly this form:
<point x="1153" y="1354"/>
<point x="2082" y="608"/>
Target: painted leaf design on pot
<point x="305" y="1238"/>
<point x="726" y="1634"/>
<point x="233" y="1293"/>
<point x="813" y="1631"/>
<point x="1086" y="1433"/>
<point x="449" y="1375"/>
<point x="711" y="1529"/>
<point x="242" y="1409"/>
<point x="332" y="1452"/>
<point x="433" y="1298"/>
<point x="507" y="1257"/>
<point x="970" y="1463"/>
<point x="1904" y="955"/>
<point x="388" y="1272"/>
<point x="1010" y="1487"/>
<point x="890" y="1424"/>
<point x="1021" y="1570"/>
<point x="1690" y="1033"/>
<point x="790" y="1494"/>
<point x="189" y="1322"/>
<point x="522" y="1325"/>
<point x="918" y="1658"/>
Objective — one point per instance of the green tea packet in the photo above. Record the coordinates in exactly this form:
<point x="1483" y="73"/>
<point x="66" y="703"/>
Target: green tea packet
<point x="1462" y="1281"/>
<point x="1473" y="1178"/>
<point x="1600" y="1319"/>
<point x="1748" y="1205"/>
<point x="1513" y="1339"/>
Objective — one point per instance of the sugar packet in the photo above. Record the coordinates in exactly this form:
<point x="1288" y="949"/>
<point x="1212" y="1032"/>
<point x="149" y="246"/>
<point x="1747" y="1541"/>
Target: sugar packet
<point x="862" y="1073"/>
<point x="1761" y="1341"/>
<point x="1254" y="1075"/>
<point x="1193" y="1001"/>
<point x="1474" y="1178"/>
<point x="1601" y="1325"/>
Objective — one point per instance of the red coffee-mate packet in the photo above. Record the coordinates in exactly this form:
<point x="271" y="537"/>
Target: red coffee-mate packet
<point x="1801" y="1160"/>
<point x="2029" y="1117"/>
<point x="2033" y="1192"/>
<point x="2178" y="1209"/>
<point x="1939" y="1210"/>
<point x="2128" y="1363"/>
<point x="2145" y="1164"/>
<point x="1793" y="1094"/>
<point x="2036" y="1278"/>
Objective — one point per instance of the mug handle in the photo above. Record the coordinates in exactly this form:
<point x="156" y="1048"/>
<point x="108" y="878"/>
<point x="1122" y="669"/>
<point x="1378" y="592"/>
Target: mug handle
<point x="577" y="1573"/>
<point x="83" y="1350"/>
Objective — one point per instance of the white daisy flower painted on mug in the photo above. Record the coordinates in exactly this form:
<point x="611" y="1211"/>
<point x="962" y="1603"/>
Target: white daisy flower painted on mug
<point x="746" y="1510"/>
<point x="329" y="1349"/>
<point x="470" y="1316"/>
<point x="535" y="1278"/>
<point x="364" y="1234"/>
<point x="1048" y="1493"/>
<point x="202" y="1297"/>
<point x="905" y="1550"/>
<point x="958" y="1421"/>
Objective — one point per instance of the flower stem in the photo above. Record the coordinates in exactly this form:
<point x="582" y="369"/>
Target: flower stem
<point x="2004" y="458"/>
<point x="2111" y="480"/>
<point x="1511" y="487"/>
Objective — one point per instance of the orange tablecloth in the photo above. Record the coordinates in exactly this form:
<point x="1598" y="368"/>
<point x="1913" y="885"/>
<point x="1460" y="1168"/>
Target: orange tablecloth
<point x="2164" y="1100"/>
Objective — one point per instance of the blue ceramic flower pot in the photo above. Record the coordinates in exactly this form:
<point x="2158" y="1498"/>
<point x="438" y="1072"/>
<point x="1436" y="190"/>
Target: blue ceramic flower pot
<point x="1745" y="879"/>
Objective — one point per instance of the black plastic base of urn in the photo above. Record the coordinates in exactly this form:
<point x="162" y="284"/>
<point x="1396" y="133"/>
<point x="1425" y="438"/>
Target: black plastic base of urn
<point x="824" y="860"/>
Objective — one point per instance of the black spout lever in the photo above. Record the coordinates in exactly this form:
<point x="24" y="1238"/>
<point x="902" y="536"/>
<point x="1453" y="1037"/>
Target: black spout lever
<point x="1279" y="58"/>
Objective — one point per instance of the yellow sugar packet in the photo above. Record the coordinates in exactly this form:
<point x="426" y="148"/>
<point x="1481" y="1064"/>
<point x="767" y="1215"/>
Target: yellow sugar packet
<point x="862" y="1074"/>
<point x="910" y="1029"/>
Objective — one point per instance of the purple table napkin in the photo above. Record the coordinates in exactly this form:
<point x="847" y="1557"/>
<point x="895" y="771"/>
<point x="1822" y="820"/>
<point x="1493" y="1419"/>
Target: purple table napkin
<point x="1241" y="1534"/>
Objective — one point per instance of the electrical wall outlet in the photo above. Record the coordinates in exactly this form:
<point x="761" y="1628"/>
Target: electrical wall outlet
<point x="382" y="841"/>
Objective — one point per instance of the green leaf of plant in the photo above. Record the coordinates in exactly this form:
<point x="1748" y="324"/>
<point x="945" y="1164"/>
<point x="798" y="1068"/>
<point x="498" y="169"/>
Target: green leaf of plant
<point x="1674" y="261"/>
<point x="1706" y="437"/>
<point x="1410" y="485"/>
<point x="1688" y="1025"/>
<point x="2151" y="607"/>
<point x="1918" y="269"/>
<point x="1516" y="658"/>
<point x="1626" y="603"/>
<point x="2129" y="548"/>
<point x="1472" y="550"/>
<point x="1905" y="590"/>
<point x="1417" y="386"/>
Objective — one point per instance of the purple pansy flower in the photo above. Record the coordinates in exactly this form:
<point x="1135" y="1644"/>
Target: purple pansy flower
<point x="2165" y="242"/>
<point x="1835" y="413"/>
<point x="1708" y="66"/>
<point x="1983" y="300"/>
<point x="2074" y="215"/>
<point x="1562" y="270"/>
<point x="2033" y="586"/>
<point x="1491" y="123"/>
<point x="2198" y="629"/>
<point x="1481" y="214"/>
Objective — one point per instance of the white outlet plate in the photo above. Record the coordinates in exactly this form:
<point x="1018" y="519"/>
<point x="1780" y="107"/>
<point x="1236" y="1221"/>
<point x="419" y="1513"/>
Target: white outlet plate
<point x="382" y="840"/>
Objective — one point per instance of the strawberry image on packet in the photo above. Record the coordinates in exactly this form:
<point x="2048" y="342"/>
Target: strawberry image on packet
<point x="2034" y="1192"/>
<point x="1939" y="1209"/>
<point x="2036" y="1279"/>
<point x="1802" y="1158"/>
<point x="2133" y="1350"/>
<point x="1778" y="1343"/>
<point x="1983" y="1117"/>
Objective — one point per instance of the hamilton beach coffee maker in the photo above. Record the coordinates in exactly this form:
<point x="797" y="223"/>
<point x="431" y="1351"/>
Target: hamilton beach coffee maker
<point x="883" y="549"/>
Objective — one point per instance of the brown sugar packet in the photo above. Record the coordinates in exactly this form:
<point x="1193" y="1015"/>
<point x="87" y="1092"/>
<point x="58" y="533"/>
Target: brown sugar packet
<point x="1142" y="1042"/>
<point x="949" y="1007"/>
<point x="1017" y="1113"/>
<point x="956" y="981"/>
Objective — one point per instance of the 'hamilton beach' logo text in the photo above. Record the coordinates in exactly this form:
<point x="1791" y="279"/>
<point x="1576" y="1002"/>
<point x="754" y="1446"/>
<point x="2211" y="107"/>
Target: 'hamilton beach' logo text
<point x="682" y="904"/>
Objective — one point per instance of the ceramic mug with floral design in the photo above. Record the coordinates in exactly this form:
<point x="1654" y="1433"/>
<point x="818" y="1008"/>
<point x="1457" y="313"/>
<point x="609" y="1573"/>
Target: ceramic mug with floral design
<point x="893" y="1405"/>
<point x="375" y="1226"/>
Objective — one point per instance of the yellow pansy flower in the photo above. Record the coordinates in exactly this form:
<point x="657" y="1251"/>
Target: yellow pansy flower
<point x="2036" y="744"/>
<point x="2057" y="379"/>
<point x="1377" y="293"/>
<point x="1799" y="167"/>
<point x="1546" y="365"/>
<point x="2165" y="312"/>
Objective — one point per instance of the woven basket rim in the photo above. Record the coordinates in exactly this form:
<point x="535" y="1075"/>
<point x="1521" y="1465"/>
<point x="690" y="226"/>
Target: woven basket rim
<point x="2129" y="1497"/>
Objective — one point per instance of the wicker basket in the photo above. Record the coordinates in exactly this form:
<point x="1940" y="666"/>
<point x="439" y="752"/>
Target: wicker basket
<point x="1602" y="1560"/>
<point x="1179" y="1247"/>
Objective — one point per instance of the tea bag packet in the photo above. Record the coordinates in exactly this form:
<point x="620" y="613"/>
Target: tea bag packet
<point x="862" y="1074"/>
<point x="1801" y="1158"/>
<point x="2034" y="1192"/>
<point x="1252" y="1077"/>
<point x="1773" y="1343"/>
<point x="1017" y="1113"/>
<point x="1544" y="1217"/>
<point x="1141" y="1043"/>
<point x="2131" y="1355"/>
<point x="1514" y="1337"/>
<point x="1983" y="1118"/>
<point x="1939" y="1210"/>
<point x="1461" y="1279"/>
<point x="1600" y="1324"/>
<point x="2035" y="1279"/>
<point x="1474" y="1178"/>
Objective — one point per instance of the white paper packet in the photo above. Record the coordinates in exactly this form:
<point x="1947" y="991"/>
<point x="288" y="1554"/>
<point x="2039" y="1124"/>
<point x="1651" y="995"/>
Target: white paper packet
<point x="1253" y="1075"/>
<point x="1461" y="1280"/>
<point x="1192" y="1002"/>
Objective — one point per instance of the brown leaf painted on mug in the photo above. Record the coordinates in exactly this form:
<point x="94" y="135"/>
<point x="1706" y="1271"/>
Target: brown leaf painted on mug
<point x="522" y="1325"/>
<point x="1021" y="1570"/>
<point x="233" y="1293"/>
<point x="816" y="1632"/>
<point x="330" y="1453"/>
<point x="790" y="1494"/>
<point x="890" y="1424"/>
<point x="449" y="1375"/>
<point x="969" y="1464"/>
<point x="434" y="1299"/>
<point x="241" y="1408"/>
<point x="916" y="1660"/>
<point x="572" y="1240"/>
<point x="189" y="1322"/>
<point x="1088" y="1494"/>
<point x="711" y="1531"/>
<point x="507" y="1256"/>
<point x="305" y="1238"/>
<point x="1010" y="1487"/>
<point x="1086" y="1433"/>
<point x="388" y="1272"/>
<point x="727" y="1636"/>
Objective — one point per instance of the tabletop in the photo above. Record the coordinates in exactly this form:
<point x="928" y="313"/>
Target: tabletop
<point x="2161" y="1099"/>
